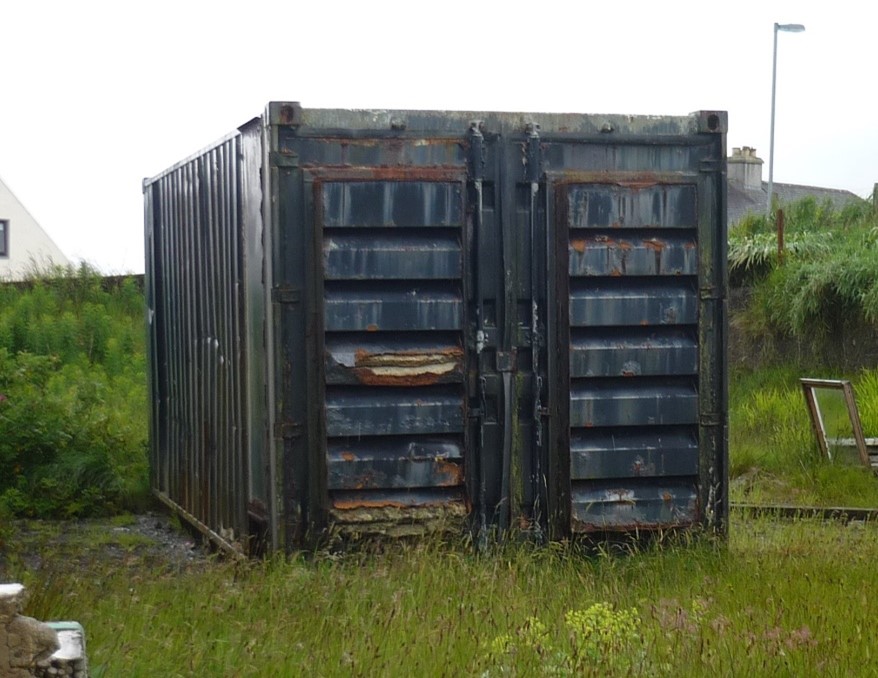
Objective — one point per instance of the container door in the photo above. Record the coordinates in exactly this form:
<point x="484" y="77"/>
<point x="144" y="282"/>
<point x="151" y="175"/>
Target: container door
<point x="628" y="368"/>
<point x="393" y="347"/>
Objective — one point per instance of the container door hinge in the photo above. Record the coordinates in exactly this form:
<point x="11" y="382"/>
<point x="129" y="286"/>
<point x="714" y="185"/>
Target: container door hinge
<point x="287" y="430"/>
<point x="532" y="151"/>
<point x="276" y="159"/>
<point x="710" y="419"/>
<point x="710" y="165"/>
<point x="283" y="294"/>
<point x="710" y="294"/>
<point x="506" y="361"/>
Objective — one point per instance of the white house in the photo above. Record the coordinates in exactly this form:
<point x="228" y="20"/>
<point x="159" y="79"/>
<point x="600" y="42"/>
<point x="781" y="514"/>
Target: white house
<point x="23" y="243"/>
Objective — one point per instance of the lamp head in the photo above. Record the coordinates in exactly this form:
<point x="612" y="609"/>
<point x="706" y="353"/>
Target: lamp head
<point x="789" y="28"/>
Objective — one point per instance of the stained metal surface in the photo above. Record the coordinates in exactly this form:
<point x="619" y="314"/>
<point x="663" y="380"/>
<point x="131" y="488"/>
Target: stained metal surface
<point x="420" y="256"/>
<point x="370" y="308"/>
<point x="609" y="255"/>
<point x="394" y="346"/>
<point x="631" y="452"/>
<point x="607" y="304"/>
<point x="637" y="364"/>
<point x="613" y="353"/>
<point x="600" y="506"/>
<point x="401" y="321"/>
<point x="626" y="403"/>
<point x="371" y="204"/>
<point x="394" y="463"/>
<point x="389" y="411"/>
<point x="639" y="202"/>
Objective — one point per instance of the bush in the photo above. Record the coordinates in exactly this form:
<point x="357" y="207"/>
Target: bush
<point x="72" y="396"/>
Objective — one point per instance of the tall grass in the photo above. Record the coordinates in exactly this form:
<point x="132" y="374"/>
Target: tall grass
<point x="72" y="395"/>
<point x="770" y="603"/>
<point x="829" y="276"/>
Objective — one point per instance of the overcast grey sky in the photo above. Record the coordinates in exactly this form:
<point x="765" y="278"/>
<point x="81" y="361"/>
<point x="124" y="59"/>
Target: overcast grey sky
<point x="94" y="95"/>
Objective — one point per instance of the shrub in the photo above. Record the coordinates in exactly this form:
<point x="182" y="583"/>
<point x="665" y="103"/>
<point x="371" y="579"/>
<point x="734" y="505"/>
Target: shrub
<point x="72" y="395"/>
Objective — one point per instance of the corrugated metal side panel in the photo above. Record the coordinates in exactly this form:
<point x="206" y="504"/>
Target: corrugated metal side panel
<point x="197" y="343"/>
<point x="394" y="360"/>
<point x="632" y="309"/>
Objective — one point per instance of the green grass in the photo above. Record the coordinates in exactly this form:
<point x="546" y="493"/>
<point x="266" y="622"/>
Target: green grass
<point x="774" y="456"/>
<point x="781" y="599"/>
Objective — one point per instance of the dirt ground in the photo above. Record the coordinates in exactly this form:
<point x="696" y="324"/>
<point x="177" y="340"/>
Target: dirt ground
<point x="152" y="541"/>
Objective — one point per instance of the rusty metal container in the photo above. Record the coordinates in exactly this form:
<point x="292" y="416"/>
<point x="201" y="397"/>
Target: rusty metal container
<point x="399" y="321"/>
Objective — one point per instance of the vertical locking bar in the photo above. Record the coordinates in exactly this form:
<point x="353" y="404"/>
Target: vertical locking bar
<point x="533" y="173"/>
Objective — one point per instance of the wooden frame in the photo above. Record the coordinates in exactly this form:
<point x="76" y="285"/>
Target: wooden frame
<point x="867" y="448"/>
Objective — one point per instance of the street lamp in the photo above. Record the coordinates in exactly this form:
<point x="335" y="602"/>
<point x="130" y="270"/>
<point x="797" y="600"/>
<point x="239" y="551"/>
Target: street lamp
<point x="787" y="28"/>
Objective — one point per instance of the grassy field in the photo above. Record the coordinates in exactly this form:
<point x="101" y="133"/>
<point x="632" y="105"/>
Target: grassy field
<point x="780" y="599"/>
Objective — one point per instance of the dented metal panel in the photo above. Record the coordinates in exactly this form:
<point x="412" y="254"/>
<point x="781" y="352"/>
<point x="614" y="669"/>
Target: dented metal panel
<point x="407" y="360"/>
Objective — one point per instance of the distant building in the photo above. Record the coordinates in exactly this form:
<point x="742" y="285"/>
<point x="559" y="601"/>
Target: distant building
<point x="24" y="245"/>
<point x="748" y="193"/>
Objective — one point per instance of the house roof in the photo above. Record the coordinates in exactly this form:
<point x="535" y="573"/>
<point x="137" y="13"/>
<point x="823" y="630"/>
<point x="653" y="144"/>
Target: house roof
<point x="28" y="245"/>
<point x="743" y="201"/>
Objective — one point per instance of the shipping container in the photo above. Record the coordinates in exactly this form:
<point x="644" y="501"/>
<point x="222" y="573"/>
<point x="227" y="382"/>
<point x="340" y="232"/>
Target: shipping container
<point x="371" y="321"/>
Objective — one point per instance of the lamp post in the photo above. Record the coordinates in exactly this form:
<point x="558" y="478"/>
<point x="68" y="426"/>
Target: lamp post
<point x="787" y="28"/>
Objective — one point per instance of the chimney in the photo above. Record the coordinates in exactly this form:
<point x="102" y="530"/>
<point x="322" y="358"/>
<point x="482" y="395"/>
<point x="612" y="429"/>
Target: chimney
<point x="745" y="169"/>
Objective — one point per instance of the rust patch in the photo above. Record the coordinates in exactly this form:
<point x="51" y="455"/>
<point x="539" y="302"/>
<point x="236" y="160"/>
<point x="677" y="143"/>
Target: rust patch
<point x="363" y="358"/>
<point x="407" y="368"/>
<point x="689" y="245"/>
<point x="372" y="327"/>
<point x="583" y="527"/>
<point x="667" y="497"/>
<point x="452" y="471"/>
<point x="615" y="273"/>
<point x="578" y="245"/>
<point x="388" y="173"/>
<point x="628" y="373"/>
<point x="638" y="181"/>
<point x="387" y="509"/>
<point x="369" y="377"/>
<point x="350" y="505"/>
<point x="654" y="244"/>
<point x="348" y="456"/>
